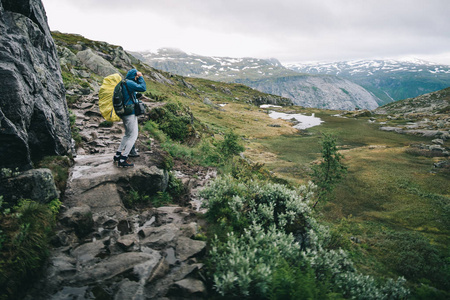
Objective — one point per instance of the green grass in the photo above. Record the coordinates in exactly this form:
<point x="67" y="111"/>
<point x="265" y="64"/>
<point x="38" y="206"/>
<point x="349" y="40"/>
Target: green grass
<point x="386" y="192"/>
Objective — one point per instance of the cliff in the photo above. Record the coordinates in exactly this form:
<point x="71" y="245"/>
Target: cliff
<point x="321" y="91"/>
<point x="34" y="119"/>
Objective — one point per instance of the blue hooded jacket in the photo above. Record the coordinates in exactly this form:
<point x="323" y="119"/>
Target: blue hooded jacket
<point x="133" y="86"/>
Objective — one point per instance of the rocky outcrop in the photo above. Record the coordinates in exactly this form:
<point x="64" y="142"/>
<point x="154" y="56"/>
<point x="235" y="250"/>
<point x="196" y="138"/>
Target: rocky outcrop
<point x="34" y="118"/>
<point x="37" y="185"/>
<point x="97" y="183"/>
<point x="328" y="92"/>
<point x="96" y="63"/>
<point x="153" y="256"/>
<point x="432" y="103"/>
<point x="271" y="99"/>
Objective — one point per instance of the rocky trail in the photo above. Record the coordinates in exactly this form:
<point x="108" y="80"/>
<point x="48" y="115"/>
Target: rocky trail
<point x="102" y="250"/>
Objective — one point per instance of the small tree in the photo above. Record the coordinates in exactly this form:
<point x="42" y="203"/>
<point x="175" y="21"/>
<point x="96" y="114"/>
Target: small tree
<point x="330" y="170"/>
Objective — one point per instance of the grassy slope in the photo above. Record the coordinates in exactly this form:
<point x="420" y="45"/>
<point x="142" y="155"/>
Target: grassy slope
<point x="386" y="190"/>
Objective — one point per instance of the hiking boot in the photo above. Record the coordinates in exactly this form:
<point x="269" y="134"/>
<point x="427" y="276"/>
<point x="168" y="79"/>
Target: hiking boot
<point x="133" y="153"/>
<point x="117" y="156"/>
<point x="124" y="163"/>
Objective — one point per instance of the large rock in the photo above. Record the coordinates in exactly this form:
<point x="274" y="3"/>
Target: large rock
<point x="141" y="263"/>
<point x="37" y="185"/>
<point x="98" y="183"/>
<point x="34" y="119"/>
<point x="96" y="63"/>
<point x="188" y="288"/>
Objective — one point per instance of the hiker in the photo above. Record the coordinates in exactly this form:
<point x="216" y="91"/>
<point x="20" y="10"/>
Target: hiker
<point x="135" y="83"/>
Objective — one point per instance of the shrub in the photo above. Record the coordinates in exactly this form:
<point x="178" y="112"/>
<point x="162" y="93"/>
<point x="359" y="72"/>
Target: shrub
<point x="414" y="257"/>
<point x="296" y="282"/>
<point x="175" y="120"/>
<point x="230" y="145"/>
<point x="209" y="155"/>
<point x="243" y="265"/>
<point x="237" y="205"/>
<point x="74" y="130"/>
<point x="25" y="233"/>
<point x="106" y="124"/>
<point x="268" y="224"/>
<point x="330" y="170"/>
<point x="153" y="128"/>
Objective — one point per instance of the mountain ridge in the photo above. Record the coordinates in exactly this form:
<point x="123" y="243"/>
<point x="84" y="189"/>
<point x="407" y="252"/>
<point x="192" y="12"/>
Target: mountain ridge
<point x="266" y="75"/>
<point x="390" y="80"/>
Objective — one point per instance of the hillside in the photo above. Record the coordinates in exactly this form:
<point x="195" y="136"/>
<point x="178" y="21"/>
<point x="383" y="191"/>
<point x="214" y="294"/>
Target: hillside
<point x="388" y="80"/>
<point x="431" y="103"/>
<point x="140" y="232"/>
<point x="268" y="76"/>
<point x="164" y="248"/>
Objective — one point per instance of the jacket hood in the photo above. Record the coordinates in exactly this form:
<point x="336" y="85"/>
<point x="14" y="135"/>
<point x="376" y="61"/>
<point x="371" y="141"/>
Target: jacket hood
<point x="131" y="74"/>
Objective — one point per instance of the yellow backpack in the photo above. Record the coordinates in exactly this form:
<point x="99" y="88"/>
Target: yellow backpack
<point x="105" y="97"/>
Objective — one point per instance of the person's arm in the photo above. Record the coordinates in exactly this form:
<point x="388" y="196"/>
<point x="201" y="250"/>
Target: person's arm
<point x="137" y="86"/>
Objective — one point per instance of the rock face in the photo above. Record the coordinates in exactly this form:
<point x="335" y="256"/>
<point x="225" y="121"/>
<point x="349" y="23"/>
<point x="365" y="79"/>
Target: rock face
<point x="34" y="119"/>
<point x="96" y="63"/>
<point x="37" y="185"/>
<point x="328" y="92"/>
<point x="97" y="183"/>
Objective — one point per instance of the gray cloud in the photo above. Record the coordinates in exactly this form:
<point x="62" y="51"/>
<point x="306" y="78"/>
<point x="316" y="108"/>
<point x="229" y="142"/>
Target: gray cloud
<point x="296" y="29"/>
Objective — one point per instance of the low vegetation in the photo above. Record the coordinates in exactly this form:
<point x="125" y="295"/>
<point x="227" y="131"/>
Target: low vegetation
<point x="25" y="232"/>
<point x="266" y="227"/>
<point x="387" y="218"/>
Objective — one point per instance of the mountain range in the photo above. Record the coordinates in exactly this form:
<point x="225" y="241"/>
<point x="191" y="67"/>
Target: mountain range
<point x="265" y="75"/>
<point x="389" y="80"/>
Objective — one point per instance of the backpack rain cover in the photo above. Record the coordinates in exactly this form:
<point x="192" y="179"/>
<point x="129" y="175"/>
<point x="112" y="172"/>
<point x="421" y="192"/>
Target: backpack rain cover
<point x="105" y="97"/>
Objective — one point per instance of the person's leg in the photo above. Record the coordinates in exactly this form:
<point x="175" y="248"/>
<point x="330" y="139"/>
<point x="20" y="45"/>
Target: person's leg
<point x="131" y="133"/>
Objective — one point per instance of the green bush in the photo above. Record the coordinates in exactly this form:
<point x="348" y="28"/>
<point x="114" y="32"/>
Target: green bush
<point x="269" y="223"/>
<point x="244" y="264"/>
<point x="330" y="170"/>
<point x="290" y="281"/>
<point x="175" y="120"/>
<point x="153" y="128"/>
<point x="230" y="145"/>
<point x="74" y="130"/>
<point x="106" y="124"/>
<point x="235" y="204"/>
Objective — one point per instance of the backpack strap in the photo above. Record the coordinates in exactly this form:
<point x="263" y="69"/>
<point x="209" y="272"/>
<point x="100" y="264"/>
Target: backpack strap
<point x="129" y="94"/>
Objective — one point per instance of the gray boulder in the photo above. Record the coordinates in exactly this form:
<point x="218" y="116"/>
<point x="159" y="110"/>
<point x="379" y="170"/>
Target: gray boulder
<point x="188" y="288"/>
<point x="187" y="248"/>
<point x="37" y="185"/>
<point x="80" y="219"/>
<point x="97" y="183"/>
<point x="142" y="264"/>
<point x="67" y="58"/>
<point x="34" y="119"/>
<point x="96" y="63"/>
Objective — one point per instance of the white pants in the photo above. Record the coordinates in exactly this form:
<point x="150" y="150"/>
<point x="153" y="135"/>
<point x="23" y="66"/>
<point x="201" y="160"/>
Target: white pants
<point x="130" y="123"/>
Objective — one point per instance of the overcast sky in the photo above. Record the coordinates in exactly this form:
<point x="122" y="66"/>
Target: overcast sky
<point x="289" y="30"/>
